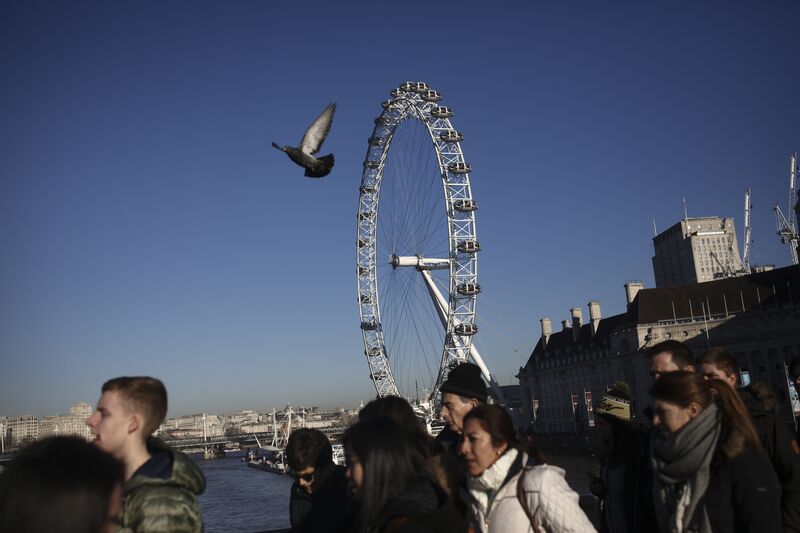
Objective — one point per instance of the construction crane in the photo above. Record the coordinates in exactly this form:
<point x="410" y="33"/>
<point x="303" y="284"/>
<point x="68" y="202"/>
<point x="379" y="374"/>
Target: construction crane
<point x="725" y="271"/>
<point x="747" y="233"/>
<point x="744" y="263"/>
<point x="787" y="227"/>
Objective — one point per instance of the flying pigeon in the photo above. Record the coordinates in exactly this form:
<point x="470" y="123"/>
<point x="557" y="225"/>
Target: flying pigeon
<point x="312" y="140"/>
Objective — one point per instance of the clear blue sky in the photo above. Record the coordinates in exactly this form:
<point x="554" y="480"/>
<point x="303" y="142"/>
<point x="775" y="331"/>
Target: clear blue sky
<point x="147" y="227"/>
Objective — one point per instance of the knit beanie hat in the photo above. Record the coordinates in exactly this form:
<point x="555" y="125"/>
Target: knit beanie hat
<point x="465" y="380"/>
<point x="616" y="402"/>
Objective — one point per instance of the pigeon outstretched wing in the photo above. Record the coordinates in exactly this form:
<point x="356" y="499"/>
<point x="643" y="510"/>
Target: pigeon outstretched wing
<point x="317" y="131"/>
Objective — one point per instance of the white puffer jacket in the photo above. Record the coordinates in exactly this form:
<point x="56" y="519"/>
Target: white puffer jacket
<point x="554" y="505"/>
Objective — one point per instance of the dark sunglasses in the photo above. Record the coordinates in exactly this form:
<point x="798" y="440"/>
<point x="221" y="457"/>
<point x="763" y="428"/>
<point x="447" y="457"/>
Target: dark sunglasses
<point x="305" y="477"/>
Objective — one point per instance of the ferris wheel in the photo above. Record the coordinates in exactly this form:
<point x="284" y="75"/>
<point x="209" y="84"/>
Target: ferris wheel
<point x="417" y="248"/>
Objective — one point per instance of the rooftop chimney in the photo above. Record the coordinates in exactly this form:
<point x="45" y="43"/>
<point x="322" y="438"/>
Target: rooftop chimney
<point x="577" y="320"/>
<point x="594" y="316"/>
<point x="547" y="330"/>
<point x="632" y="288"/>
<point x="564" y="325"/>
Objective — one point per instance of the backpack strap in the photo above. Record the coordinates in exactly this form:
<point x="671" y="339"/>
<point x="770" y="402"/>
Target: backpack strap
<point x="523" y="501"/>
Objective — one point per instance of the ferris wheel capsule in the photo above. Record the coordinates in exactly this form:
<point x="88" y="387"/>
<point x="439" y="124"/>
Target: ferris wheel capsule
<point x="465" y="206"/>
<point x="469" y="247"/>
<point x="460" y="168"/>
<point x="431" y="96"/>
<point x="421" y="87"/>
<point x="451" y="136"/>
<point x="469" y="288"/>
<point x="466" y="329"/>
<point x="441" y="112"/>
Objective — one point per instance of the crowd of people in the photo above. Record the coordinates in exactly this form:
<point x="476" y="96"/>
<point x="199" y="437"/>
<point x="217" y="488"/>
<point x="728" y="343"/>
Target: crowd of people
<point x="707" y="456"/>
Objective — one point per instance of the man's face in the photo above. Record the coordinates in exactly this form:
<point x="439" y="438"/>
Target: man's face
<point x="111" y="424"/>
<point x="454" y="410"/>
<point x="712" y="371"/>
<point x="662" y="363"/>
<point x="305" y="479"/>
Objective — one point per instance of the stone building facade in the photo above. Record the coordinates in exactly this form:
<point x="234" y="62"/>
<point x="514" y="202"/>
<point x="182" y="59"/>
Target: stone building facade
<point x="192" y="426"/>
<point x="72" y="424"/>
<point x="756" y="317"/>
<point x="21" y="429"/>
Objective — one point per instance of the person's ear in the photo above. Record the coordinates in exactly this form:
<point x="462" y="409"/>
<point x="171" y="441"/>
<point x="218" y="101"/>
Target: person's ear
<point x="135" y="423"/>
<point x="474" y="402"/>
<point x="694" y="409"/>
<point x="691" y="368"/>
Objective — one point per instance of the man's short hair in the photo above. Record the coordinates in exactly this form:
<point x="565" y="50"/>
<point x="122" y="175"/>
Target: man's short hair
<point x="144" y="395"/>
<point x="308" y="447"/>
<point x="681" y="354"/>
<point x="720" y="357"/>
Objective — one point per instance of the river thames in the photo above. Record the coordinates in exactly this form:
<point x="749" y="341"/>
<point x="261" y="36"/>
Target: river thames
<point x="242" y="499"/>
<point x="247" y="500"/>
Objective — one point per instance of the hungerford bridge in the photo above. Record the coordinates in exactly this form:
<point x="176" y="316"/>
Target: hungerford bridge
<point x="258" y="439"/>
<point x="204" y="443"/>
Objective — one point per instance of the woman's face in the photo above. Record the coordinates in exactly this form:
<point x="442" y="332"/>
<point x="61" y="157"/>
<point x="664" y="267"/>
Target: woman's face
<point x="477" y="448"/>
<point x="670" y="417"/>
<point x="355" y="474"/>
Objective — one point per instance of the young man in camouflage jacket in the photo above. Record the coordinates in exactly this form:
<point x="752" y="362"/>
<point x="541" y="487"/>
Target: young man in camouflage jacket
<point x="161" y="485"/>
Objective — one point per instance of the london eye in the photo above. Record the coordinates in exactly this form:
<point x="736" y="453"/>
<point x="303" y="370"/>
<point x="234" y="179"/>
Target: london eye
<point x="417" y="247"/>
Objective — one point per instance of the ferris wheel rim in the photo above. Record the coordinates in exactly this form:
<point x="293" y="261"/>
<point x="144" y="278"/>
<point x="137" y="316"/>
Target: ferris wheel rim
<point x="416" y="101"/>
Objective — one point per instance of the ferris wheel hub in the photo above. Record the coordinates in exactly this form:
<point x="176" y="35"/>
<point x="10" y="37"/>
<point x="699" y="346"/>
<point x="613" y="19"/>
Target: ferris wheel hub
<point x="420" y="263"/>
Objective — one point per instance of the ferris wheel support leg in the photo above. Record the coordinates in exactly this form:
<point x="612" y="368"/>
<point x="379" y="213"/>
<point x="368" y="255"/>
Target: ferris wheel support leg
<point x="441" y="306"/>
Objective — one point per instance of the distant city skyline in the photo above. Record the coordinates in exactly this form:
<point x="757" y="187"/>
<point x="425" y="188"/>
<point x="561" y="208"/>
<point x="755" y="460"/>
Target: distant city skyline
<point x="148" y="228"/>
<point x="72" y="408"/>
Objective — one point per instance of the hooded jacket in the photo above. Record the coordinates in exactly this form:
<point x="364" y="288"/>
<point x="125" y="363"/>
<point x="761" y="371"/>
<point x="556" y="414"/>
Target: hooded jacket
<point x="161" y="497"/>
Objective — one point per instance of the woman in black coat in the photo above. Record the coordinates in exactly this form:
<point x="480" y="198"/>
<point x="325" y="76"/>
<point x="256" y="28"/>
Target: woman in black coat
<point x="390" y="479"/>
<point x="709" y="472"/>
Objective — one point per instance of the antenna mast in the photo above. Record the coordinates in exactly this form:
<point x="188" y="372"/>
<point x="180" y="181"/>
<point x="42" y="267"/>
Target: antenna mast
<point x="787" y="227"/>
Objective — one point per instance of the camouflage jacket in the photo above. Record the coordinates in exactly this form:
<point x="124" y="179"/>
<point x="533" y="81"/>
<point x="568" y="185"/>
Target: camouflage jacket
<point x="164" y="505"/>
